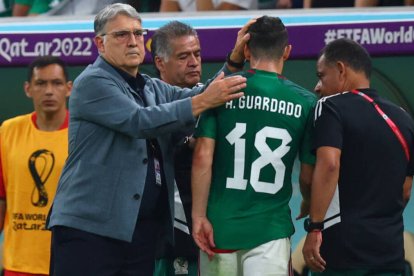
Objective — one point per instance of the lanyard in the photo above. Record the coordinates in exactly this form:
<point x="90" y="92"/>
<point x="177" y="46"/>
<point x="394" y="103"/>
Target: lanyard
<point x="388" y="120"/>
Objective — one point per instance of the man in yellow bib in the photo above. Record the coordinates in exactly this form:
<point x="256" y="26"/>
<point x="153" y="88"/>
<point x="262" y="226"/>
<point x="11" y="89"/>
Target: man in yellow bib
<point x="33" y="149"/>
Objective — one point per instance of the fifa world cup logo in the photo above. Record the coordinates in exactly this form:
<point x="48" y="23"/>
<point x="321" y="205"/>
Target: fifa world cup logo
<point x="41" y="164"/>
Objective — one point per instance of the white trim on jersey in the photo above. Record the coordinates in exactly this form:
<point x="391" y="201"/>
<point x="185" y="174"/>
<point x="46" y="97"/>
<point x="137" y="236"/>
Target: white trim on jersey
<point x="318" y="108"/>
<point x="334" y="210"/>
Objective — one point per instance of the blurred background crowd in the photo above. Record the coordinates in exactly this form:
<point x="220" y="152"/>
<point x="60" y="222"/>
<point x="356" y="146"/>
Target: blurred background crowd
<point x="79" y="7"/>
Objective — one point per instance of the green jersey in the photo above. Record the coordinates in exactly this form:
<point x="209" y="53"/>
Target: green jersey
<point x="257" y="139"/>
<point x="38" y="6"/>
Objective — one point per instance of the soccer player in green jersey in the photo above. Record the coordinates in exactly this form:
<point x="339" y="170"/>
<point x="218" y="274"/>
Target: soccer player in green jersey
<point x="242" y="164"/>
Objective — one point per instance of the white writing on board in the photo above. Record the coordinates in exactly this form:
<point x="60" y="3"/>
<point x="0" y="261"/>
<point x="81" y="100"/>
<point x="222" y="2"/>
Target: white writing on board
<point x="68" y="46"/>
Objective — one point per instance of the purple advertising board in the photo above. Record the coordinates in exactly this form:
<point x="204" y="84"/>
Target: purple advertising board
<point x="386" y="34"/>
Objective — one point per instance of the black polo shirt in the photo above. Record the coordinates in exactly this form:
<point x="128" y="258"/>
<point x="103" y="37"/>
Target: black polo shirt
<point x="365" y="224"/>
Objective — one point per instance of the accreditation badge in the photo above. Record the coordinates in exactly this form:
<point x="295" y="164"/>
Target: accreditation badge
<point x="157" y="169"/>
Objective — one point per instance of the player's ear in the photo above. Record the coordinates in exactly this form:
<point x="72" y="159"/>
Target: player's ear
<point x="27" y="90"/>
<point x="69" y="85"/>
<point x="341" y="67"/>
<point x="159" y="63"/>
<point x="246" y="51"/>
<point x="286" y="52"/>
<point x="99" y="42"/>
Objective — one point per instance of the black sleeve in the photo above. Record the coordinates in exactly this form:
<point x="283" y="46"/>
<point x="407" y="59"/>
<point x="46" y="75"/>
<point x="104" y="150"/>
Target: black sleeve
<point x="328" y="125"/>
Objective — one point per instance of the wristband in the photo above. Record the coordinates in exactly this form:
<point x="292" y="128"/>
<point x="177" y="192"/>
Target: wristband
<point x="311" y="226"/>
<point x="234" y="64"/>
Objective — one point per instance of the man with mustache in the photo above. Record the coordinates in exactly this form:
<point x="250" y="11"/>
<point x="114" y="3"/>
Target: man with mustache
<point x="176" y="53"/>
<point x="116" y="191"/>
<point x="363" y="172"/>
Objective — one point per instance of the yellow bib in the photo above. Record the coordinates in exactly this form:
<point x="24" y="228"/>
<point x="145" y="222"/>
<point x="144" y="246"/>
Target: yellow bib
<point x="32" y="161"/>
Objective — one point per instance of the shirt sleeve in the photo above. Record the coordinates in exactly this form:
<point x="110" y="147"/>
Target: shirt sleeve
<point x="99" y="98"/>
<point x="206" y="125"/>
<point x="328" y="126"/>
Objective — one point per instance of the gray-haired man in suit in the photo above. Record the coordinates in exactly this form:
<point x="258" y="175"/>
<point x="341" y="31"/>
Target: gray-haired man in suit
<point x="116" y="190"/>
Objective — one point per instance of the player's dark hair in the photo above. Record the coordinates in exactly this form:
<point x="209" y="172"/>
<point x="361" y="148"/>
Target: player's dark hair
<point x="348" y="52"/>
<point x="268" y="37"/>
<point x="44" y="61"/>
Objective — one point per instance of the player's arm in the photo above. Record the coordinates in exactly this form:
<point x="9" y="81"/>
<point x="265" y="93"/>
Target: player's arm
<point x="21" y="9"/>
<point x="307" y="4"/>
<point x="307" y="165"/>
<point x="284" y="4"/>
<point x="200" y="185"/>
<point x="324" y="182"/>
<point x="237" y="54"/>
<point x="204" y="5"/>
<point x="366" y="3"/>
<point x="305" y="181"/>
<point x="169" y="6"/>
<point x="407" y="189"/>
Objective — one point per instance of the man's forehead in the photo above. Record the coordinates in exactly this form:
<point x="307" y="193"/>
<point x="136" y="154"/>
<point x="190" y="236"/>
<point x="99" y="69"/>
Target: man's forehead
<point x="323" y="64"/>
<point x="321" y="60"/>
<point x="48" y="72"/>
<point x="187" y="41"/>
<point x="123" y="21"/>
<point x="53" y="66"/>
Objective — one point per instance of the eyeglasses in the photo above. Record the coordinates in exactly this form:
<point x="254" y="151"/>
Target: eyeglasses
<point x="125" y="35"/>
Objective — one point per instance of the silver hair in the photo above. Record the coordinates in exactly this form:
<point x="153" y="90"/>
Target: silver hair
<point x="161" y="40"/>
<point x="110" y="12"/>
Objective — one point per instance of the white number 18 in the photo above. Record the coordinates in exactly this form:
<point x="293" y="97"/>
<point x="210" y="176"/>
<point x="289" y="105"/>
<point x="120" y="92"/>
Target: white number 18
<point x="267" y="156"/>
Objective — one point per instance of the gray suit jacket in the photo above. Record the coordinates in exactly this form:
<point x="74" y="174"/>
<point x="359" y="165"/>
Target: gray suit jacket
<point x="101" y="186"/>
